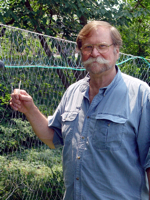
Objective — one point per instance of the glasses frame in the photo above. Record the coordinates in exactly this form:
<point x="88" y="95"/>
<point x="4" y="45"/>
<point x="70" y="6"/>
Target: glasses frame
<point x="96" y="45"/>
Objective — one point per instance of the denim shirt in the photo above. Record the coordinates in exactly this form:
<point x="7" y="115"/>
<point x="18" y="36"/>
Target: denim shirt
<point x="105" y="143"/>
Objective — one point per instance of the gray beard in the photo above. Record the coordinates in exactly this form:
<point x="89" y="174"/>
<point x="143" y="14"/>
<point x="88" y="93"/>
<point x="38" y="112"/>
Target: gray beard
<point x="103" y="68"/>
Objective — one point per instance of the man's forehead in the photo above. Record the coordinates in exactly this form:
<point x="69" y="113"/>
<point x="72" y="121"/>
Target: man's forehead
<point x="98" y="29"/>
<point x="101" y="33"/>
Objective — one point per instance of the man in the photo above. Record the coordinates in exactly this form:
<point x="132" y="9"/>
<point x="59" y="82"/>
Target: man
<point x="102" y="121"/>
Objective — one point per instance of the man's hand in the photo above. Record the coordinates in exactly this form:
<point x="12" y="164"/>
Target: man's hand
<point x="21" y="101"/>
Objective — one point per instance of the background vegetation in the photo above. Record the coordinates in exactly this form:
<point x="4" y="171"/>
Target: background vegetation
<point x="61" y="18"/>
<point x="28" y="169"/>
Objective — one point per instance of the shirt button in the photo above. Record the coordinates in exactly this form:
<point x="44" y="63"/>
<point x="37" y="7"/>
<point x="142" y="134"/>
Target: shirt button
<point x="108" y="124"/>
<point x="78" y="157"/>
<point x="87" y="116"/>
<point x="77" y="178"/>
<point x="82" y="137"/>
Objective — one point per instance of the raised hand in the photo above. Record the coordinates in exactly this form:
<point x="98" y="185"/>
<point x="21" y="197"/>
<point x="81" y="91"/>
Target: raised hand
<point x="21" y="101"/>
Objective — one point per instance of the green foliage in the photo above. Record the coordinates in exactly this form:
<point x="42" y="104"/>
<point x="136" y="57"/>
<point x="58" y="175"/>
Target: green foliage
<point x="63" y="18"/>
<point x="17" y="135"/>
<point x="15" y="131"/>
<point x="46" y="94"/>
<point x="138" y="68"/>
<point x="136" y="36"/>
<point x="25" y="172"/>
<point x="137" y="42"/>
<point x="32" y="175"/>
<point x="4" y="98"/>
<point x="131" y="69"/>
<point x="66" y="18"/>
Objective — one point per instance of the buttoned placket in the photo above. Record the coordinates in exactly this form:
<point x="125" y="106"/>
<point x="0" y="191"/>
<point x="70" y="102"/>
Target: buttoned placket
<point x="83" y="146"/>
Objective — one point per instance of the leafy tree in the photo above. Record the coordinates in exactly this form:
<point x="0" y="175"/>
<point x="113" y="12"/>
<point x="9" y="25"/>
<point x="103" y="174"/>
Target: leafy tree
<point x="60" y="17"/>
<point x="136" y="36"/>
<point x="64" y="19"/>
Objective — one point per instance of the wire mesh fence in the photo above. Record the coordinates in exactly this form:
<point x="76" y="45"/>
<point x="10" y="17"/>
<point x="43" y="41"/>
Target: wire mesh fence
<point x="46" y="66"/>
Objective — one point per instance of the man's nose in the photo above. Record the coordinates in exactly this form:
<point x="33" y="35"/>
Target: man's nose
<point x="95" y="52"/>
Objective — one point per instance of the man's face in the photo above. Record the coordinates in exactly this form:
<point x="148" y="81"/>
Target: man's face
<point x="98" y="62"/>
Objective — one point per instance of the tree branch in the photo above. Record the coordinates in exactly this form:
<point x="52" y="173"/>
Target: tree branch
<point x="47" y="50"/>
<point x="27" y="4"/>
<point x="83" y="20"/>
<point x="10" y="22"/>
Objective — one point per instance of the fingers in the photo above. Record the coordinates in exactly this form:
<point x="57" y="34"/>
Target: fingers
<point x="15" y="105"/>
<point x="18" y="91"/>
<point x="20" y="99"/>
<point x="15" y="102"/>
<point x="20" y="95"/>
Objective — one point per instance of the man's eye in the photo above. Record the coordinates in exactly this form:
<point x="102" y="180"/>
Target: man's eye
<point x="102" y="46"/>
<point x="88" y="47"/>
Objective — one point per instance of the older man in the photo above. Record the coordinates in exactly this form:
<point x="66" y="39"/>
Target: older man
<point x="102" y="121"/>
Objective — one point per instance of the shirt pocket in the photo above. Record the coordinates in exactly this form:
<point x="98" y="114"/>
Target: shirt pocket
<point x="68" y="123"/>
<point x="108" y="132"/>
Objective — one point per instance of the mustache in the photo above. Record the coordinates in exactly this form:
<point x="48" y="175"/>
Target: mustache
<point x="98" y="60"/>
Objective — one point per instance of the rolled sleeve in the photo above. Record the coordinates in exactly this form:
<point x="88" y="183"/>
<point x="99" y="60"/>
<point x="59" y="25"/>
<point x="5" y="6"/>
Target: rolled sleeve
<point x="53" y="122"/>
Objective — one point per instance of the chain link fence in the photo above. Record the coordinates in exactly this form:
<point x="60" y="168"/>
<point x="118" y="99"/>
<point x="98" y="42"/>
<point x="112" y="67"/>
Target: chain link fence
<point x="45" y="67"/>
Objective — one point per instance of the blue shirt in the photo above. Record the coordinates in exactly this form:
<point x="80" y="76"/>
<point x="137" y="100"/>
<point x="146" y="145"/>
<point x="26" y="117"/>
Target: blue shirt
<point x="105" y="143"/>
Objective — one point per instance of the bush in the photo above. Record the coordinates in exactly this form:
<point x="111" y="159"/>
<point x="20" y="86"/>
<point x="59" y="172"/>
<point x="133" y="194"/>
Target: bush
<point x="17" y="134"/>
<point x="32" y="175"/>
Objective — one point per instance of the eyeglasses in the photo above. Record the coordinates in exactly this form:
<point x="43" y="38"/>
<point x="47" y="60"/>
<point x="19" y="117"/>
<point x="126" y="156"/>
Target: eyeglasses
<point x="101" y="48"/>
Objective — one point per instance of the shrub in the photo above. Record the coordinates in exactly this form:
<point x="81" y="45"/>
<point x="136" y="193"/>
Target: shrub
<point x="31" y="175"/>
<point x="17" y="134"/>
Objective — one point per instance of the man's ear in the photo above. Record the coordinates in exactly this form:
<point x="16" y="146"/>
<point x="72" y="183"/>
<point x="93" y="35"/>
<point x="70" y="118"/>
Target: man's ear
<point x="116" y="51"/>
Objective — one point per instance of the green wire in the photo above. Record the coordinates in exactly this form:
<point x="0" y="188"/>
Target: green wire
<point x="48" y="67"/>
<point x="72" y="68"/>
<point x="133" y="59"/>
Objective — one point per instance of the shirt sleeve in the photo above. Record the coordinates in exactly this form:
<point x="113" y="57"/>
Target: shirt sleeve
<point x="55" y="122"/>
<point x="143" y="138"/>
<point x="52" y="123"/>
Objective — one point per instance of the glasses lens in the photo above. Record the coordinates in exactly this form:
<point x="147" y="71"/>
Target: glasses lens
<point x="102" y="48"/>
<point x="87" y="49"/>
